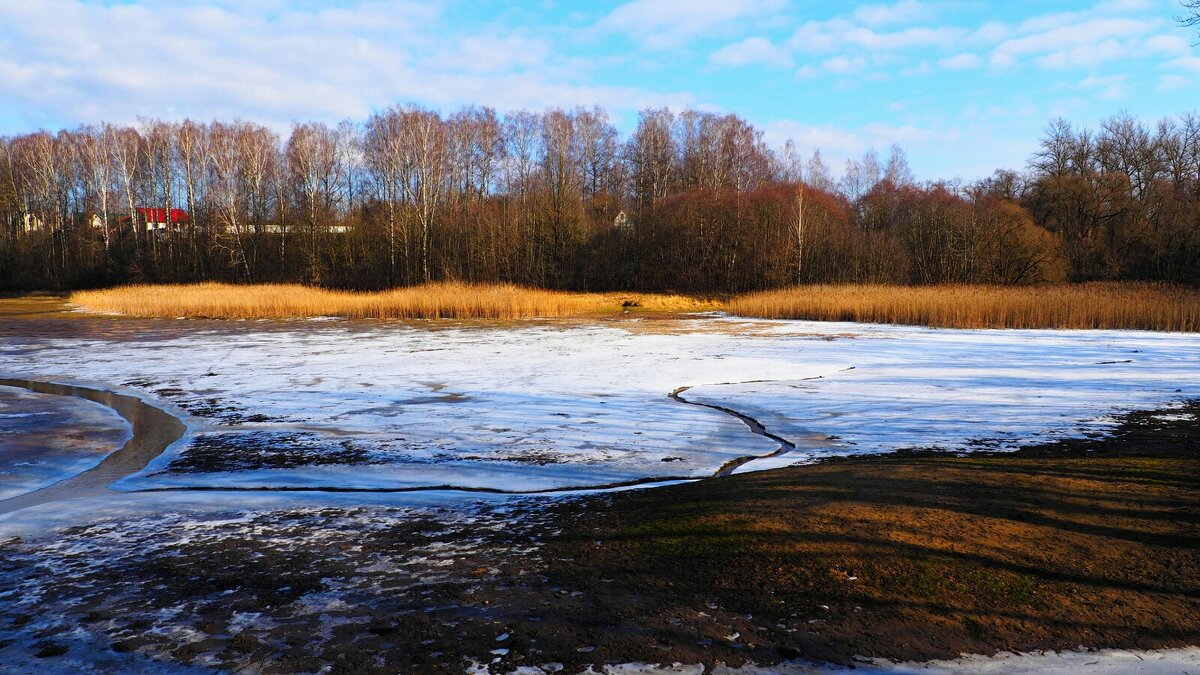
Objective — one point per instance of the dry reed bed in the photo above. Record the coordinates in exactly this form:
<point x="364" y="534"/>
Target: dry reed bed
<point x="431" y="301"/>
<point x="1095" y="305"/>
<point x="1111" y="305"/>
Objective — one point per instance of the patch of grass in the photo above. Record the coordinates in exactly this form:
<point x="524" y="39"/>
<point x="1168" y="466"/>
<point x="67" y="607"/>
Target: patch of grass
<point x="997" y="588"/>
<point x="684" y="536"/>
<point x="1096" y="305"/>
<point x="928" y="579"/>
<point x="975" y="629"/>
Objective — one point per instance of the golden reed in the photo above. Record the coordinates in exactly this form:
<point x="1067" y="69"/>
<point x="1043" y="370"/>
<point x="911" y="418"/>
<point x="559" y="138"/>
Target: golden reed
<point x="446" y="300"/>
<point x="1098" y="305"/>
<point x="1094" y="305"/>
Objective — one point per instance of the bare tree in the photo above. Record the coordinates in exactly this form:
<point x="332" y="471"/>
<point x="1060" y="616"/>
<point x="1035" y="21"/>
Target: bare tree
<point x="897" y="171"/>
<point x="350" y="157"/>
<point x="192" y="141"/>
<point x="316" y="174"/>
<point x="562" y="179"/>
<point x="653" y="156"/>
<point x="791" y="164"/>
<point x="384" y="155"/>
<point x="227" y="189"/>
<point x="1191" y="16"/>
<point x="744" y="158"/>
<point x="861" y="176"/>
<point x="98" y="173"/>
<point x="14" y="203"/>
<point x="160" y="139"/>
<point x="260" y="155"/>
<point x="45" y="164"/>
<point x="475" y="146"/>
<point x="522" y="139"/>
<point x="529" y="198"/>
<point x="425" y="173"/>
<point x="598" y="151"/>
<point x="801" y="227"/>
<point x="817" y="173"/>
<point x="125" y="145"/>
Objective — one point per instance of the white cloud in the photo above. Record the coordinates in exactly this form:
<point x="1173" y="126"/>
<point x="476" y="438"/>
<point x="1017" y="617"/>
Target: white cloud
<point x="989" y="33"/>
<point x="835" y="143"/>
<point x="883" y="135"/>
<point x="843" y="64"/>
<point x="1085" y="55"/>
<point x="1110" y="88"/>
<point x="1171" y="45"/>
<point x="962" y="61"/>
<point x="1105" y="32"/>
<point x="858" y="43"/>
<point x="1124" y="6"/>
<point x="1173" y="82"/>
<point x="838" y="144"/>
<point x="838" y="65"/>
<point x="909" y="38"/>
<point x="1191" y="63"/>
<point x="1067" y="44"/>
<point x="665" y="24"/>
<point x="841" y="34"/>
<point x="902" y="12"/>
<point x="754" y="50"/>
<point x="490" y="54"/>
<point x="820" y="36"/>
<point x="1045" y="22"/>
<point x="68" y="61"/>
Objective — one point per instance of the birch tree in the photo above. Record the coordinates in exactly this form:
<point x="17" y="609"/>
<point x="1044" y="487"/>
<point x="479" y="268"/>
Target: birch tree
<point x="98" y="171"/>
<point x="425" y="173"/>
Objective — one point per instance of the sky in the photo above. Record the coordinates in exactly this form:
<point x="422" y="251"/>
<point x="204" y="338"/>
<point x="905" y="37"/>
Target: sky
<point x="964" y="86"/>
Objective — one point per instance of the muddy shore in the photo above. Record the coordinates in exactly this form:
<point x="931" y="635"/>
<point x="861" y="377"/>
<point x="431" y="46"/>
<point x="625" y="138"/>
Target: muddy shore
<point x="1091" y="543"/>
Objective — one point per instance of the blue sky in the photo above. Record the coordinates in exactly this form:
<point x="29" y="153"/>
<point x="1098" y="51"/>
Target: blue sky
<point x="964" y="86"/>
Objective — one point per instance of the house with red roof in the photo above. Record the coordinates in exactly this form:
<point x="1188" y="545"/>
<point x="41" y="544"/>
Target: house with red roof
<point x="154" y="220"/>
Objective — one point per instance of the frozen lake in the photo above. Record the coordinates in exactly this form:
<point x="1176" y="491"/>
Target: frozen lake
<point x="555" y="405"/>
<point x="330" y="476"/>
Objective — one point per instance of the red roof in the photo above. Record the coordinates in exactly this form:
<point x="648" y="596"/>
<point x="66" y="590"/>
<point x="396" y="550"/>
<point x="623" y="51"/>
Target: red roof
<point x="160" y="215"/>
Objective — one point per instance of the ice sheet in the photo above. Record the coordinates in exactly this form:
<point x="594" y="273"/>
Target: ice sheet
<point x="45" y="438"/>
<point x="568" y="404"/>
<point x="968" y="390"/>
<point x="1104" y="662"/>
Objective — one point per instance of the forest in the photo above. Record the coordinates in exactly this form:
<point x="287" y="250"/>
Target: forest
<point x="690" y="201"/>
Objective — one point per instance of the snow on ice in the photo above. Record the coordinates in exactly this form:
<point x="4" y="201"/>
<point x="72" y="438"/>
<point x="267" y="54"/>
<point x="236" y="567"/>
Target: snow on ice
<point x="555" y="405"/>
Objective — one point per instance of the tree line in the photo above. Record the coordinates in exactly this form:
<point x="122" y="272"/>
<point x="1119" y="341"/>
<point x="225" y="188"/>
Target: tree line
<point x="691" y="201"/>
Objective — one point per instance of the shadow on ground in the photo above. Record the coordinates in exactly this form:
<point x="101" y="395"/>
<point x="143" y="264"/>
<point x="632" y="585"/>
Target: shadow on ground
<point x="910" y="557"/>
